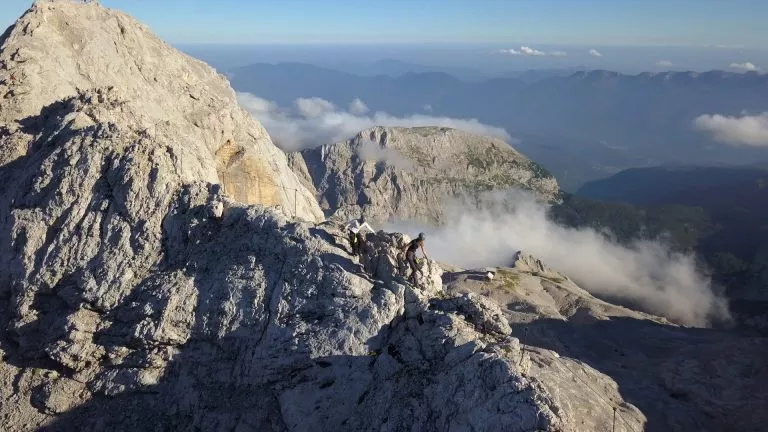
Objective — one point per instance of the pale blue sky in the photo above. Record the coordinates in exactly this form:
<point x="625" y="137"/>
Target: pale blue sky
<point x="563" y="22"/>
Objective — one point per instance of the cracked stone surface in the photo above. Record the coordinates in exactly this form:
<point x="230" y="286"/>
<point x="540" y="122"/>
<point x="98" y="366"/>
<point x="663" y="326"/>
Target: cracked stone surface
<point x="183" y="107"/>
<point x="149" y="280"/>
<point x="393" y="173"/>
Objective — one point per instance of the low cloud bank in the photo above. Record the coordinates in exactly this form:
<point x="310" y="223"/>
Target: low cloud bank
<point x="372" y="151"/>
<point x="645" y="274"/>
<point x="532" y="52"/>
<point x="745" y="130"/>
<point x="528" y="51"/>
<point x="747" y="66"/>
<point x="314" y="121"/>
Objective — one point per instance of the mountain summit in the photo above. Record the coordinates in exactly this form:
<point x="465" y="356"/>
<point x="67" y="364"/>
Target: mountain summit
<point x="161" y="268"/>
<point x="395" y="173"/>
<point x="180" y="106"/>
<point x="148" y="279"/>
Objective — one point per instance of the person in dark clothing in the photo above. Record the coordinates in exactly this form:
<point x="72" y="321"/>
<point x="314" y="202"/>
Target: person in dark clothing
<point x="410" y="255"/>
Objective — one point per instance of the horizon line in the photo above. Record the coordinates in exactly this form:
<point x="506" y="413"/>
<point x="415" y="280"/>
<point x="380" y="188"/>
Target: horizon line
<point x="466" y="43"/>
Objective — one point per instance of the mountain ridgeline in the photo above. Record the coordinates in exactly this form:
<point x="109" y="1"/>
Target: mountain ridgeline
<point x="411" y="174"/>
<point x="611" y="120"/>
<point x="164" y="266"/>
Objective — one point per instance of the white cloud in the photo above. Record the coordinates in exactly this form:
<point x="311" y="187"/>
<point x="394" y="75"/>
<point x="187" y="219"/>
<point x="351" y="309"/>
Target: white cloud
<point x="357" y="107"/>
<point x="372" y="151"/>
<point x="315" y="121"/>
<point x="427" y="108"/>
<point x="531" y="52"/>
<point x="645" y="274"/>
<point x="594" y="52"/>
<point x="558" y="53"/>
<point x="255" y="104"/>
<point x="745" y="66"/>
<point x="509" y="51"/>
<point x="526" y="51"/>
<point x="745" y="130"/>
<point x="314" y="107"/>
<point x="664" y="63"/>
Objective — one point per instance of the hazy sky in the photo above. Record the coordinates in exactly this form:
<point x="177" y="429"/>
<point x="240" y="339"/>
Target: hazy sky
<point x="566" y="22"/>
<point x="491" y="36"/>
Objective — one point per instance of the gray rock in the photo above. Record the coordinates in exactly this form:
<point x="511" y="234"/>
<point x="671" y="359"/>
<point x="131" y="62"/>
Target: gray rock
<point x="119" y="276"/>
<point x="148" y="280"/>
<point x="171" y="103"/>
<point x="592" y="356"/>
<point x="409" y="173"/>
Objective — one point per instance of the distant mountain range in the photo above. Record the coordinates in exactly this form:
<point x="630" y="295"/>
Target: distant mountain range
<point x="735" y="199"/>
<point x="399" y="95"/>
<point x="677" y="184"/>
<point x="620" y="120"/>
<point x="719" y="212"/>
<point x="530" y="76"/>
<point x="395" y="68"/>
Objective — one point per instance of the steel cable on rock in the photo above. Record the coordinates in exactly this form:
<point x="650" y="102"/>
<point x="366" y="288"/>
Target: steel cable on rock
<point x="295" y="194"/>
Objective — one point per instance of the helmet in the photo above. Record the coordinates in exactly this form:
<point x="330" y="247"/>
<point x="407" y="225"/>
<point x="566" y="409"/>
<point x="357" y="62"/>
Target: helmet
<point x="421" y="236"/>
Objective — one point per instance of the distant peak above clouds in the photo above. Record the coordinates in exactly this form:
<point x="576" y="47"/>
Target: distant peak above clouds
<point x="595" y="53"/>
<point x="664" y="63"/>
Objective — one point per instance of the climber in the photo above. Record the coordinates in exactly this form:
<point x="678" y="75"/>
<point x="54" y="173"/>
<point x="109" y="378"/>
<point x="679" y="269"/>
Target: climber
<point x="516" y="258"/>
<point x="410" y="255"/>
<point x="355" y="229"/>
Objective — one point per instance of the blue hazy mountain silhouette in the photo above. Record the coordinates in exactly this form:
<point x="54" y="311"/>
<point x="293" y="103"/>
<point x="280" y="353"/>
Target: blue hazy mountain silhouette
<point x="612" y="119"/>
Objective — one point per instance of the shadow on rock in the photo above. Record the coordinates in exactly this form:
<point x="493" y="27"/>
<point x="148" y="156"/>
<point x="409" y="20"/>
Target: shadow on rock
<point x="681" y="378"/>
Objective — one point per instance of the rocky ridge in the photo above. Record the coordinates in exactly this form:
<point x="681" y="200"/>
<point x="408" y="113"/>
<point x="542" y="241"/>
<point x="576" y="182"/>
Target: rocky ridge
<point x="144" y="285"/>
<point x="679" y="378"/>
<point x="260" y="323"/>
<point x="390" y="173"/>
<point x="138" y="292"/>
<point x="62" y="48"/>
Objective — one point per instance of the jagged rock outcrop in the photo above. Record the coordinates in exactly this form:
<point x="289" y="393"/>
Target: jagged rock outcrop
<point x="659" y="376"/>
<point x="60" y="49"/>
<point x="144" y="287"/>
<point x="148" y="281"/>
<point x="528" y="263"/>
<point x="409" y="173"/>
<point x="253" y="322"/>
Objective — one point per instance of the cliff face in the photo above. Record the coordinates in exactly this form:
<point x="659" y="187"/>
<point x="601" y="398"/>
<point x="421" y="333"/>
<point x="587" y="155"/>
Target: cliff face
<point x="60" y="49"/>
<point x="410" y="173"/>
<point x="140" y="290"/>
<point x="148" y="281"/>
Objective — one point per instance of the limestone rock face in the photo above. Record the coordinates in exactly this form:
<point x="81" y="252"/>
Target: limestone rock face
<point x="60" y="49"/>
<point x="525" y="262"/>
<point x="250" y="321"/>
<point x="659" y="376"/>
<point x="409" y="173"/>
<point x="149" y="282"/>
